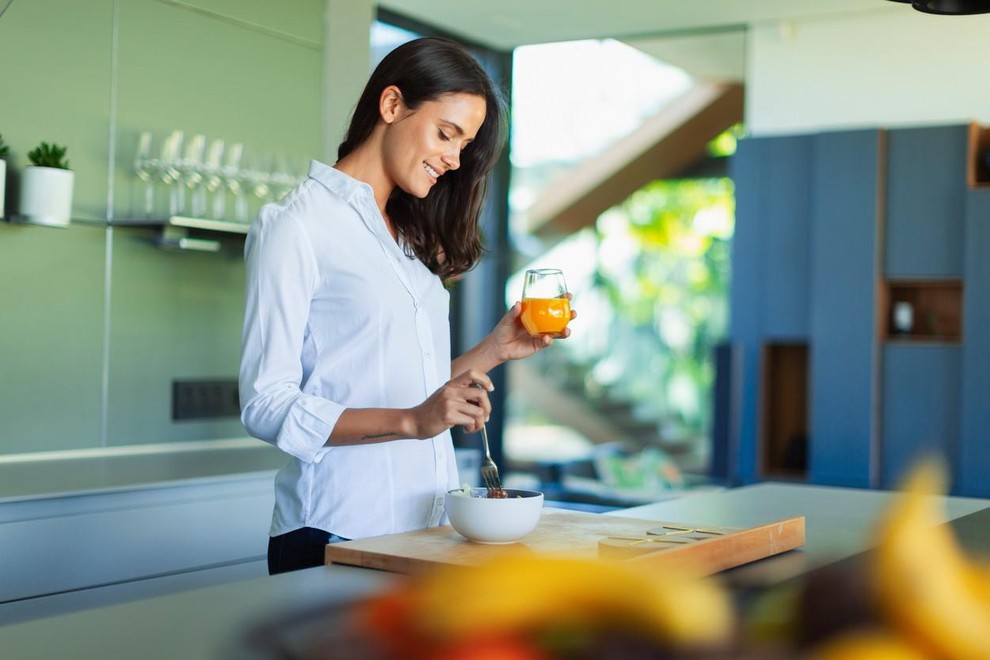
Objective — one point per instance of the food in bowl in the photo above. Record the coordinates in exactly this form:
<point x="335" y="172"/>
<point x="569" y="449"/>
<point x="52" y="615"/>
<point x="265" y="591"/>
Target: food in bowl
<point x="468" y="491"/>
<point x="482" y="519"/>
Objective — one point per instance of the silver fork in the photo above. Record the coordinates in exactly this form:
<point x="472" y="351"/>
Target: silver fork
<point x="489" y="471"/>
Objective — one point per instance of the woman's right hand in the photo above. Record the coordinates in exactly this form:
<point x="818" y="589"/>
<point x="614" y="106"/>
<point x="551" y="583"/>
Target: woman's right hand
<point x="459" y="401"/>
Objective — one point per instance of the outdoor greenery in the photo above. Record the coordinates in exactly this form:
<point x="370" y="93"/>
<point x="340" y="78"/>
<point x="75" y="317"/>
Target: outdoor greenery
<point x="668" y="295"/>
<point x="651" y="282"/>
<point x="4" y="149"/>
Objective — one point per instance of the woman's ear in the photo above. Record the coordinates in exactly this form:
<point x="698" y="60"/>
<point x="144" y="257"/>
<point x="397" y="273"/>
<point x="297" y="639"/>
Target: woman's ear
<point x="390" y="104"/>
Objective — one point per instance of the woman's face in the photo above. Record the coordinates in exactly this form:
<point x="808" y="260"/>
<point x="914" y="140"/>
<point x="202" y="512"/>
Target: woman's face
<point x="422" y="145"/>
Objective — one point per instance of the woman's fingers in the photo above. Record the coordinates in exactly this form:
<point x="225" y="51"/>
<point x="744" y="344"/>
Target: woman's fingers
<point x="473" y="377"/>
<point x="466" y="401"/>
<point x="480" y="406"/>
<point x="467" y="414"/>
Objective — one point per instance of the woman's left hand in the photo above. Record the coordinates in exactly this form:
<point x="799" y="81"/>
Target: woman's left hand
<point x="512" y="342"/>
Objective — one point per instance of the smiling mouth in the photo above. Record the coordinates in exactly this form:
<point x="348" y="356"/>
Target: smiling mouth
<point x="432" y="172"/>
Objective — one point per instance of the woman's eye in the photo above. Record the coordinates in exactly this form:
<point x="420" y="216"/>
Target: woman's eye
<point x="444" y="136"/>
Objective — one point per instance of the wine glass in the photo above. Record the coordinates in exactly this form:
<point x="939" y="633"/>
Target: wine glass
<point x="212" y="181"/>
<point x="231" y="175"/>
<point x="546" y="309"/>
<point x="168" y="171"/>
<point x="258" y="178"/>
<point x="146" y="167"/>
<point x="190" y="168"/>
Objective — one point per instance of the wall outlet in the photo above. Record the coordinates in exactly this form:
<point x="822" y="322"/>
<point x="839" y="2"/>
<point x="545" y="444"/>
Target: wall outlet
<point x="205" y="399"/>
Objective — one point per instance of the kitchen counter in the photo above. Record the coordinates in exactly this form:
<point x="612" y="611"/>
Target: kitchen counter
<point x="47" y="474"/>
<point x="839" y="522"/>
<point x="204" y="622"/>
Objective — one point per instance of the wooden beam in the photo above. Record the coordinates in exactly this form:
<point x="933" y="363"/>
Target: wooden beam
<point x="664" y="147"/>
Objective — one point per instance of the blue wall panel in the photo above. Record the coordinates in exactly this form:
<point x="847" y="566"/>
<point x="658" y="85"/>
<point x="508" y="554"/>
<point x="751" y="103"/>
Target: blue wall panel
<point x="973" y="467"/>
<point x="787" y="224"/>
<point x="926" y="186"/>
<point x="845" y="270"/>
<point x="747" y="297"/>
<point x="920" y="407"/>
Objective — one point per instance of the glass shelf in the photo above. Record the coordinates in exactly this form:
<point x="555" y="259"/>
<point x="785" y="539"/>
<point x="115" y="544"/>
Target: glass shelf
<point x="175" y="231"/>
<point x="207" y="224"/>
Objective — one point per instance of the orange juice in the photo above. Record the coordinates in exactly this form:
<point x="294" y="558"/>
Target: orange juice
<point x="545" y="316"/>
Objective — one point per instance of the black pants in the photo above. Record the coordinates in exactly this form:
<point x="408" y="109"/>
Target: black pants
<point x="298" y="549"/>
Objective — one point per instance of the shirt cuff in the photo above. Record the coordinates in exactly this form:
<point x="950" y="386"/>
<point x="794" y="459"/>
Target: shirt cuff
<point x="307" y="427"/>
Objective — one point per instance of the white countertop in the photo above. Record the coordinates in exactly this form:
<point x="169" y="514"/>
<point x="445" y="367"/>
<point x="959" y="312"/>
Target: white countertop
<point x="838" y="521"/>
<point x="101" y="469"/>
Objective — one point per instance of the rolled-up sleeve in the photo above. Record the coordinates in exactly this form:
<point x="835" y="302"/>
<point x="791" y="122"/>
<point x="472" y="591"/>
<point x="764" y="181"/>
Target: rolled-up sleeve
<point x="281" y="276"/>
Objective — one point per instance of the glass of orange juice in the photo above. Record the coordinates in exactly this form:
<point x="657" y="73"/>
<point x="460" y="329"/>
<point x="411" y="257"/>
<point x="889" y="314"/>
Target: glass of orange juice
<point x="546" y="309"/>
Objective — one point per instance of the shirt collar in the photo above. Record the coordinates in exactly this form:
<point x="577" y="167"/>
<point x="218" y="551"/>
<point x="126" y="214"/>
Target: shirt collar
<point x="356" y="193"/>
<point x="342" y="185"/>
<point x="350" y="189"/>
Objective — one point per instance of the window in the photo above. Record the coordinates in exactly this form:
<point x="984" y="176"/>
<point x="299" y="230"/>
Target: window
<point x="649" y="274"/>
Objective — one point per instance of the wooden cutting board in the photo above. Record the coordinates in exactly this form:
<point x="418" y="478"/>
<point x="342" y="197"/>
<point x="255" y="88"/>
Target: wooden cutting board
<point x="574" y="533"/>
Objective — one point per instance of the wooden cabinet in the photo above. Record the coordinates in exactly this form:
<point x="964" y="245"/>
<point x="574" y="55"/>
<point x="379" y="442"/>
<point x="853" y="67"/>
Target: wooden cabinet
<point x="784" y="431"/>
<point x="846" y="187"/>
<point x="925" y="200"/>
<point x="862" y="257"/>
<point x="978" y="157"/>
<point x="921" y="406"/>
<point x="748" y="169"/>
<point x="786" y="255"/>
<point x="972" y="462"/>
<point x="922" y="311"/>
<point x="771" y="269"/>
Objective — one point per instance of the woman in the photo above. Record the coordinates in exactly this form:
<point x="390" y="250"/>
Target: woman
<point x="346" y="347"/>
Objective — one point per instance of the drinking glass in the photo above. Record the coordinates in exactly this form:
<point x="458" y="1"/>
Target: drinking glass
<point x="146" y="167"/>
<point x="546" y="310"/>
<point x="190" y="168"/>
<point x="169" y="173"/>
<point x="213" y="182"/>
<point x="231" y="175"/>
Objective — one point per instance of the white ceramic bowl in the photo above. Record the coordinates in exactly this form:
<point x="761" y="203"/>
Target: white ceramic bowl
<point x="489" y="520"/>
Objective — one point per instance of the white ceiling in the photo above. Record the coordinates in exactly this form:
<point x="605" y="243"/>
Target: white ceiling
<point x="505" y="24"/>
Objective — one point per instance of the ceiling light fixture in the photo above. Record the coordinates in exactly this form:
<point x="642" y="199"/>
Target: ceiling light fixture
<point x="950" y="7"/>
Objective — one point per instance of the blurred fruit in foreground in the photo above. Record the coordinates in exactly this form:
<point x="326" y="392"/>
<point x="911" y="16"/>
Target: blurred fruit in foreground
<point x="560" y="607"/>
<point x="867" y="644"/>
<point x="916" y="595"/>
<point x="925" y="584"/>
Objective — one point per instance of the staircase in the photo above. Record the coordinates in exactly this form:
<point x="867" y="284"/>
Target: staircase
<point x="559" y="388"/>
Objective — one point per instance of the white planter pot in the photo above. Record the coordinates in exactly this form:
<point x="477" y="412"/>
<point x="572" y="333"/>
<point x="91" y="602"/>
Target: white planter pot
<point x="3" y="186"/>
<point x="46" y="195"/>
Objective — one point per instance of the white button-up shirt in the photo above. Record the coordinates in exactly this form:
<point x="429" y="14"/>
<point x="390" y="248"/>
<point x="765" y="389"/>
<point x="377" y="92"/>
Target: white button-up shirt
<point x="337" y="316"/>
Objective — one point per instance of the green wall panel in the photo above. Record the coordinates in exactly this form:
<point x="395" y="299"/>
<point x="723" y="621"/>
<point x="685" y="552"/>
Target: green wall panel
<point x="245" y="71"/>
<point x="51" y="326"/>
<point x="299" y="19"/>
<point x="55" y="63"/>
<point x="175" y="316"/>
<point x="180" y="70"/>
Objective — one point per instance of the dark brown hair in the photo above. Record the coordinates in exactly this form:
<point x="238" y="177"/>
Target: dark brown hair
<point x="442" y="228"/>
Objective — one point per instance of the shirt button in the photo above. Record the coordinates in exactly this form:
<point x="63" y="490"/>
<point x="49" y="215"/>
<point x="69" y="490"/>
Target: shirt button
<point x="426" y="354"/>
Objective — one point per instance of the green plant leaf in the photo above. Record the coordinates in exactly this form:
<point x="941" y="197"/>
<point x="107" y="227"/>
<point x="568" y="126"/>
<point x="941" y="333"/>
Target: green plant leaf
<point x="49" y="155"/>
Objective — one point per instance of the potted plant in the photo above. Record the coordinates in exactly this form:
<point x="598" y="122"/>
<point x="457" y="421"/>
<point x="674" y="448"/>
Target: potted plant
<point x="46" y="186"/>
<point x="4" y="151"/>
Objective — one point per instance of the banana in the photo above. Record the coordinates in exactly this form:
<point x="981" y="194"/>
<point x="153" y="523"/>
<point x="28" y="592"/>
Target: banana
<point x="522" y="593"/>
<point x="925" y="584"/>
<point x="867" y="645"/>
